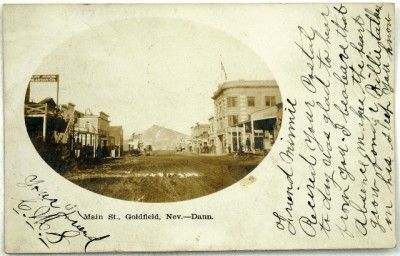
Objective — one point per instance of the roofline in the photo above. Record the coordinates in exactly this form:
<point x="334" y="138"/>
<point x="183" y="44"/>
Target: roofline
<point x="199" y="125"/>
<point x="95" y="116"/>
<point x="101" y="112"/>
<point x="244" y="84"/>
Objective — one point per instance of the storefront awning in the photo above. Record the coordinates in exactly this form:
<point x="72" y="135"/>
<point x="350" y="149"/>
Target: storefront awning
<point x="266" y="113"/>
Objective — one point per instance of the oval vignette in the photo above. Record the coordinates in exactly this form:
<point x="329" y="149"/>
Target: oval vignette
<point x="153" y="110"/>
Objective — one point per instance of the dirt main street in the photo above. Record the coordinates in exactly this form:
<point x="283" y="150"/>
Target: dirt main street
<point x="163" y="177"/>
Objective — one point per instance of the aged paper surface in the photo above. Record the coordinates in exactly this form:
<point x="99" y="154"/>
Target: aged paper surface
<point x="198" y="127"/>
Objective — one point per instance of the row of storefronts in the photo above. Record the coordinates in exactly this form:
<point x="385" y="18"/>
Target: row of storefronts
<point x="88" y="135"/>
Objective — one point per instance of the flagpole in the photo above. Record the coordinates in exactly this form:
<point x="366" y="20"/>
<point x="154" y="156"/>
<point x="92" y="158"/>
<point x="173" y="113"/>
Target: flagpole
<point x="57" y="88"/>
<point x="223" y="69"/>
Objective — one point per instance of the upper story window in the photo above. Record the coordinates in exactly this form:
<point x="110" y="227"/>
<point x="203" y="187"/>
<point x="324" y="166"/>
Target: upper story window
<point x="233" y="120"/>
<point x="232" y="102"/>
<point x="270" y="101"/>
<point x="251" y="101"/>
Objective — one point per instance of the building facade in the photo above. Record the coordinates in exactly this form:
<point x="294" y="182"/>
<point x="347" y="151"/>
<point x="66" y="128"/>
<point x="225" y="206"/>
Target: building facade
<point x="199" y="138"/>
<point x="212" y="135"/>
<point x="93" y="130"/>
<point x="116" y="140"/>
<point x="56" y="125"/>
<point x="245" y="114"/>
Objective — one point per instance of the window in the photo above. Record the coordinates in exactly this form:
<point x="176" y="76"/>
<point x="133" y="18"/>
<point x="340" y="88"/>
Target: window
<point x="233" y="120"/>
<point x="232" y="102"/>
<point x="251" y="101"/>
<point x="220" y="107"/>
<point x="267" y="101"/>
<point x="273" y="101"/>
<point x="270" y="101"/>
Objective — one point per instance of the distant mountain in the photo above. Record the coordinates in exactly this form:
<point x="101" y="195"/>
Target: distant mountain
<point x="162" y="138"/>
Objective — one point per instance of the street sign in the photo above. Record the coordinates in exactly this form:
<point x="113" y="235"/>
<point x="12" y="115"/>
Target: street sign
<point x="44" y="78"/>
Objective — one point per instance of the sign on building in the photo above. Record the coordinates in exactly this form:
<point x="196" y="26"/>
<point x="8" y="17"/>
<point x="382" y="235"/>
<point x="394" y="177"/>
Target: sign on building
<point x="44" y="78"/>
<point x="46" y="85"/>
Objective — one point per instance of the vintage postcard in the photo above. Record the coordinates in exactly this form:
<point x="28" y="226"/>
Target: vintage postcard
<point x="198" y="127"/>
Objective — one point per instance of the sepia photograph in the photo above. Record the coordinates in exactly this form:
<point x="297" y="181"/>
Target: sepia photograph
<point x="164" y="110"/>
<point x="199" y="127"/>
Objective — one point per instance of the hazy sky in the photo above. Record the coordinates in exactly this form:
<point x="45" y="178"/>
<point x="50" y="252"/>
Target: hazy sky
<point x="148" y="71"/>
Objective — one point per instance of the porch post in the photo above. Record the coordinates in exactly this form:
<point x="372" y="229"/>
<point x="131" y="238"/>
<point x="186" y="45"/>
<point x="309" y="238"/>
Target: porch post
<point x="44" y="122"/>
<point x="237" y="139"/>
<point x="226" y="140"/>
<point x="252" y="136"/>
<point x="244" y="135"/>
<point x="44" y="127"/>
<point x="231" y="139"/>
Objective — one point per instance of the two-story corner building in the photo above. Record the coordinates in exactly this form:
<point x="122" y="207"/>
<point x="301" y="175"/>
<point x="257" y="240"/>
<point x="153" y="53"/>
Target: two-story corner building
<point x="235" y="105"/>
